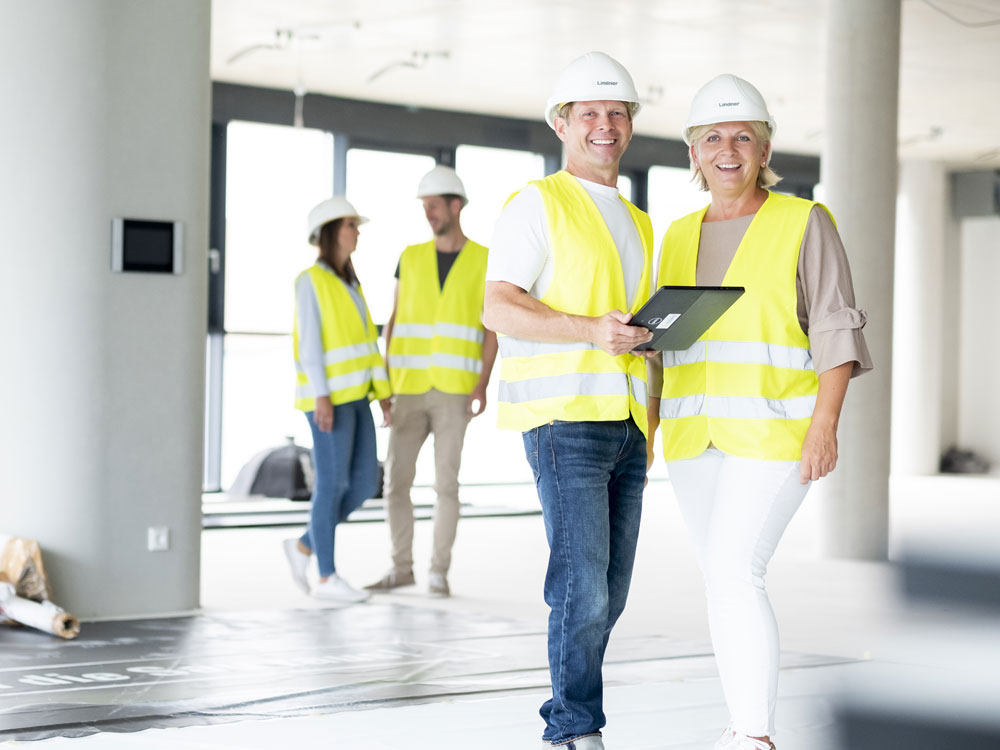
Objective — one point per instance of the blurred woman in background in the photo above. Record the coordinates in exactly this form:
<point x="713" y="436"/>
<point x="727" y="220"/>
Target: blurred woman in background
<point x="339" y="370"/>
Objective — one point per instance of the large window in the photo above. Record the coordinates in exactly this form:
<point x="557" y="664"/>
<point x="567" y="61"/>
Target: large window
<point x="625" y="186"/>
<point x="671" y="196"/>
<point x="274" y="175"/>
<point x="490" y="176"/>
<point x="382" y="185"/>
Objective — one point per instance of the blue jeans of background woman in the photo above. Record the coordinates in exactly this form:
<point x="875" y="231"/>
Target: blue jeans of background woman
<point x="346" y="474"/>
<point x="589" y="477"/>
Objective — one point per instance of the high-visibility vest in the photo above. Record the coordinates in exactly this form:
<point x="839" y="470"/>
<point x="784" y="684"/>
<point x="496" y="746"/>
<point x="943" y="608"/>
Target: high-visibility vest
<point x="437" y="336"/>
<point x="354" y="366"/>
<point x="747" y="385"/>
<point x="541" y="381"/>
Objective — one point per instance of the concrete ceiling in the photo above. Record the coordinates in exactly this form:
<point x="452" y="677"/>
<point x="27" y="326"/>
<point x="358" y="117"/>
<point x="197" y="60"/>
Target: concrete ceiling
<point x="502" y="56"/>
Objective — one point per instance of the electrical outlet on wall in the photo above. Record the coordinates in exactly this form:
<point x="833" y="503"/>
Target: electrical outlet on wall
<point x="158" y="538"/>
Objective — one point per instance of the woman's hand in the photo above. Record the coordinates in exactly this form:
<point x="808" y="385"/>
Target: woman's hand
<point x="386" y="404"/>
<point x="323" y="414"/>
<point x="819" y="451"/>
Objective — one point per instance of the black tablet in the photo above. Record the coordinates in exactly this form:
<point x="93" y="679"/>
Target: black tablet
<point x="678" y="315"/>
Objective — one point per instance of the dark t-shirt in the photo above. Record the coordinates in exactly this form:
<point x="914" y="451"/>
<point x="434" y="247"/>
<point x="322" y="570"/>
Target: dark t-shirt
<point x="445" y="262"/>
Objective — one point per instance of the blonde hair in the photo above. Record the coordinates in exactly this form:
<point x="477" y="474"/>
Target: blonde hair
<point x="766" y="178"/>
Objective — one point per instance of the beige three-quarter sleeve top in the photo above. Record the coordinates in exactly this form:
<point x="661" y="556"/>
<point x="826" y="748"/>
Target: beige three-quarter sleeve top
<point x="826" y="306"/>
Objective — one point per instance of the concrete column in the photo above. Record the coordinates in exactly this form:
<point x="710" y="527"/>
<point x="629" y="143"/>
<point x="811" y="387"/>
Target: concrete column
<point x="106" y="113"/>
<point x="978" y="354"/>
<point x="858" y="172"/>
<point x="921" y="322"/>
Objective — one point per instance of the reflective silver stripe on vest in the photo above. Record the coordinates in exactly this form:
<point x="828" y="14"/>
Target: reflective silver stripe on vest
<point x="379" y="373"/>
<point x="683" y="406"/>
<point x="639" y="390"/>
<point x="455" y="331"/>
<point x="455" y="362"/>
<point x="410" y="361"/>
<point x="349" y="380"/>
<point x="447" y="330"/>
<point x="695" y="353"/>
<point x="512" y="347"/>
<point x="341" y="382"/>
<point x="748" y="352"/>
<point x="351" y="351"/>
<point x="573" y="384"/>
<point x="737" y="407"/>
<point x="413" y="330"/>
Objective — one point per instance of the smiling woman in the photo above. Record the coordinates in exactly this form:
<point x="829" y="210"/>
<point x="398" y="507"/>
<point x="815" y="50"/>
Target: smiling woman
<point x="709" y="138"/>
<point x="747" y="422"/>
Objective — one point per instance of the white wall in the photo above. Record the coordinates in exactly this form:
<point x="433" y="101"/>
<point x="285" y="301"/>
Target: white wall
<point x="979" y="339"/>
<point x="101" y="390"/>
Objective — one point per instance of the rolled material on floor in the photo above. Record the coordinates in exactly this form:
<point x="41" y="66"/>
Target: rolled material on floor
<point x="44" y="616"/>
<point x="24" y="590"/>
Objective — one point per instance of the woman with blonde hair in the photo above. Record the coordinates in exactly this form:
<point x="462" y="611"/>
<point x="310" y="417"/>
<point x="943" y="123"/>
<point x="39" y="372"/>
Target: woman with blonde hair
<point x="749" y="413"/>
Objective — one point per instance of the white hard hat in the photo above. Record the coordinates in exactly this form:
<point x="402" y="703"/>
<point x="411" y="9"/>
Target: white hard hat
<point x="441" y="181"/>
<point x="727" y="98"/>
<point x="329" y="210"/>
<point x="592" y="77"/>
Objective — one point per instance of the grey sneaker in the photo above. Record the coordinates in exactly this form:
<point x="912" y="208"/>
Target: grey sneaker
<point x="437" y="585"/>
<point x="392" y="580"/>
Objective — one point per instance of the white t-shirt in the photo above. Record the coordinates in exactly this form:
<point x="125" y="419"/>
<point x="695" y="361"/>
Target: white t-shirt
<point x="521" y="250"/>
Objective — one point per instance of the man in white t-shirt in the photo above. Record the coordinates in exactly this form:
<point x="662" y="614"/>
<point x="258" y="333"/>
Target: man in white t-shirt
<point x="569" y="264"/>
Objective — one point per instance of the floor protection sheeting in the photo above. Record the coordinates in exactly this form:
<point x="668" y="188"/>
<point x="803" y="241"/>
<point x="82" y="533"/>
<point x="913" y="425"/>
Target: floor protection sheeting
<point x="128" y="676"/>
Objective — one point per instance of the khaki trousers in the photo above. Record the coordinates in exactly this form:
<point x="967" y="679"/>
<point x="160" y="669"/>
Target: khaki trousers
<point x="414" y="417"/>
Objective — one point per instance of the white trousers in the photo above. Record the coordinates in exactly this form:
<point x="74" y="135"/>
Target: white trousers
<point x="736" y="510"/>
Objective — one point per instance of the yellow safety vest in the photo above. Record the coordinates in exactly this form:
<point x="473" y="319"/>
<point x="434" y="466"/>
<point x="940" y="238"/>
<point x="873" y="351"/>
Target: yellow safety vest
<point x="748" y="385"/>
<point x="541" y="381"/>
<point x="354" y="366"/>
<point x="437" y="336"/>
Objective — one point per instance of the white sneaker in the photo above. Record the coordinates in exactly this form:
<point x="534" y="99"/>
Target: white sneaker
<point x="437" y="585"/>
<point x="587" y="742"/>
<point x="336" y="589"/>
<point x="726" y="740"/>
<point x="298" y="562"/>
<point x="742" y="742"/>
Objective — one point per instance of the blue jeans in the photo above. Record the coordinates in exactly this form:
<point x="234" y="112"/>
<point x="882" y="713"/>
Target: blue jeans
<point x="346" y="469"/>
<point x="590" y="477"/>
